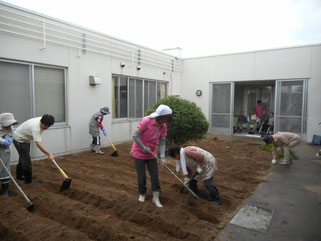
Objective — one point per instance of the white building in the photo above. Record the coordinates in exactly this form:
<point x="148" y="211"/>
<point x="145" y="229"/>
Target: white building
<point x="50" y="66"/>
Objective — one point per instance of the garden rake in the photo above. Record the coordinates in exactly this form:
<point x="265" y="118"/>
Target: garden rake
<point x="65" y="183"/>
<point x="31" y="205"/>
<point x="187" y="187"/>
<point x="115" y="152"/>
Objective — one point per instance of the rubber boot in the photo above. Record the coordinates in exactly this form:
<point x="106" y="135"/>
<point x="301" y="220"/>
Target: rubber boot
<point x="215" y="196"/>
<point x="156" y="199"/>
<point x="98" y="151"/>
<point x="5" y="189"/>
<point x="92" y="147"/>
<point x="142" y="197"/>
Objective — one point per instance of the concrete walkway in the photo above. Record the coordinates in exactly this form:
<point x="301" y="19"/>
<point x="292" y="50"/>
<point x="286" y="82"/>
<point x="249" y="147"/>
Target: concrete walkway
<point x="291" y="197"/>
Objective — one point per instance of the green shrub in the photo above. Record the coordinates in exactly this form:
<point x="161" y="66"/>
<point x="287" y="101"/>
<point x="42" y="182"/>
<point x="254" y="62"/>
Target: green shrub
<point x="189" y="122"/>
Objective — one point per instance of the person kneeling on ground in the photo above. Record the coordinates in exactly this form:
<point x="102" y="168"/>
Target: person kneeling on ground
<point x="149" y="130"/>
<point x="284" y="140"/>
<point x="197" y="164"/>
<point x="94" y="124"/>
<point x="27" y="131"/>
<point x="6" y="138"/>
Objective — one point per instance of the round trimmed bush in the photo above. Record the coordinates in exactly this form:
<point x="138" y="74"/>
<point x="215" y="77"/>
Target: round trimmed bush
<point x="189" y="122"/>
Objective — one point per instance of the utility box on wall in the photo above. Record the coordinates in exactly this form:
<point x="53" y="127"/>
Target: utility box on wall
<point x="94" y="80"/>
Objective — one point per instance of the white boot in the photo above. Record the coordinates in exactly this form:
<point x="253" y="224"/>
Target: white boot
<point x="156" y="199"/>
<point x="142" y="197"/>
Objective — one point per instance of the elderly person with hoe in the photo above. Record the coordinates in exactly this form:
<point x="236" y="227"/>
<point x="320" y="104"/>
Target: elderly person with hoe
<point x="284" y="140"/>
<point x="197" y="164"/>
<point x="6" y="138"/>
<point x="150" y="130"/>
<point x="95" y="124"/>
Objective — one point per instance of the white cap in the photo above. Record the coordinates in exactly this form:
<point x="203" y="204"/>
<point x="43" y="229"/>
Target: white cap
<point x="161" y="110"/>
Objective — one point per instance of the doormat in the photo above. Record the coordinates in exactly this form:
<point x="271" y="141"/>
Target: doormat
<point x="255" y="218"/>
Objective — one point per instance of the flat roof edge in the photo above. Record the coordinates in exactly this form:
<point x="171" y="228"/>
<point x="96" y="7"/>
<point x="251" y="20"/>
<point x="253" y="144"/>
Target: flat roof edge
<point x="81" y="27"/>
<point x="255" y="51"/>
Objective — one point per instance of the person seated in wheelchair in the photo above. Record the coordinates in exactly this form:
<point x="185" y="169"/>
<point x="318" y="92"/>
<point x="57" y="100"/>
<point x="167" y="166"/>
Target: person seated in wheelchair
<point x="241" y="122"/>
<point x="268" y="126"/>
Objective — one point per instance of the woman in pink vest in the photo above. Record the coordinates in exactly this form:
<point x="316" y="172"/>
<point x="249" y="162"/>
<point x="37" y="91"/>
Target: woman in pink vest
<point x="150" y="130"/>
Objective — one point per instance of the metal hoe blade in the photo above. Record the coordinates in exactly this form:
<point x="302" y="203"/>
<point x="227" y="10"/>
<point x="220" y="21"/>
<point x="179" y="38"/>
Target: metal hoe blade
<point x="65" y="184"/>
<point x="115" y="153"/>
<point x="31" y="207"/>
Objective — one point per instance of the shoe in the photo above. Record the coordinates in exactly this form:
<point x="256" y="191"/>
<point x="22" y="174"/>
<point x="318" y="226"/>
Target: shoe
<point x="216" y="201"/>
<point x="142" y="197"/>
<point x="100" y="152"/>
<point x="22" y="178"/>
<point x="285" y="162"/>
<point x="31" y="182"/>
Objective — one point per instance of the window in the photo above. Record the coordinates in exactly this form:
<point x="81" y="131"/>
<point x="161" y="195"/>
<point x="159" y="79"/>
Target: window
<point x="50" y="92"/>
<point x="138" y="95"/>
<point x="29" y="90"/>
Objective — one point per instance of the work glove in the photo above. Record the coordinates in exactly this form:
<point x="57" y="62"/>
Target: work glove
<point x="273" y="161"/>
<point x="186" y="180"/>
<point x="199" y="169"/>
<point x="163" y="162"/>
<point x="8" y="140"/>
<point x="104" y="131"/>
<point x="146" y="149"/>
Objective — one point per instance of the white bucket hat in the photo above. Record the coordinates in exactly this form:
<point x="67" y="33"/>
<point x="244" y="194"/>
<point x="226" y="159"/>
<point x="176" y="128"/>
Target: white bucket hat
<point x="161" y="110"/>
<point x="7" y="119"/>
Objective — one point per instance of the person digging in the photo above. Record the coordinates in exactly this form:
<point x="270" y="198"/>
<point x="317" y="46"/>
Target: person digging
<point x="196" y="164"/>
<point x="285" y="141"/>
<point x="96" y="123"/>
<point x="31" y="129"/>
<point x="150" y="130"/>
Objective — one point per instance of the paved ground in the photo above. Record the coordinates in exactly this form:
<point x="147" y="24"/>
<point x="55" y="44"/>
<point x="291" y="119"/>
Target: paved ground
<point x="293" y="195"/>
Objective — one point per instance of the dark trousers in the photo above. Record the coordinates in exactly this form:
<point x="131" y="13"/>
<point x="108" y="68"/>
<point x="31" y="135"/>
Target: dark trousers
<point x="141" y="174"/>
<point x="96" y="140"/>
<point x="209" y="185"/>
<point x="24" y="167"/>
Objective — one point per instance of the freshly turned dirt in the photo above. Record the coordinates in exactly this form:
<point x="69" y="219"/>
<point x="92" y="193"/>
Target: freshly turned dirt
<point x="102" y="201"/>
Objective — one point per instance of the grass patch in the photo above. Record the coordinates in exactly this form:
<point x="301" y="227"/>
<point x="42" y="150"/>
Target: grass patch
<point x="280" y="154"/>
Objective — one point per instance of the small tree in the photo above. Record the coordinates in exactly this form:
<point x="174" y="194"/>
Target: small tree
<point x="189" y="122"/>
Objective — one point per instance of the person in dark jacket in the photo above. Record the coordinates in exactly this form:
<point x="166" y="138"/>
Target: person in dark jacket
<point x="241" y="121"/>
<point x="96" y="123"/>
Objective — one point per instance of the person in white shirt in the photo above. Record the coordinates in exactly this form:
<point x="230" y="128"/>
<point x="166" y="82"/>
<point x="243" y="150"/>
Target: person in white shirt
<point x="27" y="131"/>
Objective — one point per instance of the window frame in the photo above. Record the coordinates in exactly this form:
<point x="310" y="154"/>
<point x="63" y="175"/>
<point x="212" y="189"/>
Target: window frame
<point x="32" y="87"/>
<point x="144" y="80"/>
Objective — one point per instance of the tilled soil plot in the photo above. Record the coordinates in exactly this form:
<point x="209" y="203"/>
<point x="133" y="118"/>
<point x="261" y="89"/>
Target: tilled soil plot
<point x="102" y="201"/>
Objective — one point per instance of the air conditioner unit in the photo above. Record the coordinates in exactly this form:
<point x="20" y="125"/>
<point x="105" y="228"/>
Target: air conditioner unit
<point x="94" y="80"/>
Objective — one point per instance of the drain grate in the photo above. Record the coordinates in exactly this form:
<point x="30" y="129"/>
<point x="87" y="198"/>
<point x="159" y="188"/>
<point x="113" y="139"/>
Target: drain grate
<point x="252" y="217"/>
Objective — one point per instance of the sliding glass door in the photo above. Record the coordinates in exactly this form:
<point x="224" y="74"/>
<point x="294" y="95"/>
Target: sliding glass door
<point x="291" y="106"/>
<point x="221" y="108"/>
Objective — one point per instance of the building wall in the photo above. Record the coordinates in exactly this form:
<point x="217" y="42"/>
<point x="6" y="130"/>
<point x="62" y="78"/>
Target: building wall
<point x="290" y="63"/>
<point x="82" y="99"/>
